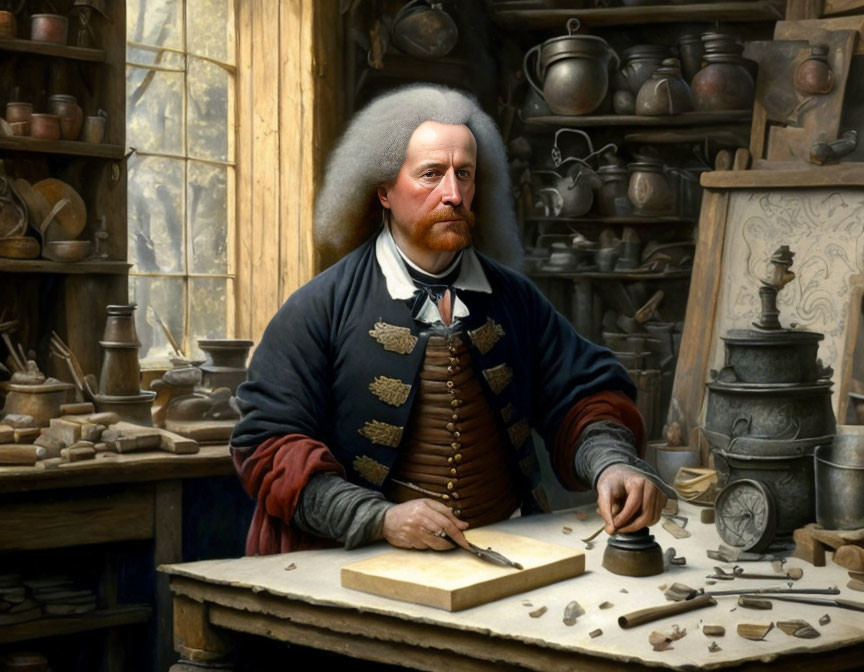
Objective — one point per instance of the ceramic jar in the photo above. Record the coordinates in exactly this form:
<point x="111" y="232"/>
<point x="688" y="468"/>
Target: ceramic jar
<point x="649" y="189"/>
<point x="42" y="402"/>
<point x="120" y="369"/>
<point x="665" y="92"/>
<point x="639" y="63"/>
<point x="723" y="84"/>
<point x="70" y="113"/>
<point x="226" y="362"/>
<point x="45" y="126"/>
<point x="18" y="111"/>
<point x="813" y="76"/>
<point x="8" y="26"/>
<point x="690" y="50"/>
<point x="49" y="28"/>
<point x="573" y="71"/>
<point x="612" y="199"/>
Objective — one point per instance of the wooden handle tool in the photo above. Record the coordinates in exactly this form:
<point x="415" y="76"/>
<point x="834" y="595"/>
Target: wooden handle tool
<point x="643" y="616"/>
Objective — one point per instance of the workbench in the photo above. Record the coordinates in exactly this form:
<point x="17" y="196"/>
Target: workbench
<point x="298" y="598"/>
<point x="114" y="498"/>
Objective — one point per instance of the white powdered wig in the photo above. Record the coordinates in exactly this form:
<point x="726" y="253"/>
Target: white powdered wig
<point x="372" y="151"/>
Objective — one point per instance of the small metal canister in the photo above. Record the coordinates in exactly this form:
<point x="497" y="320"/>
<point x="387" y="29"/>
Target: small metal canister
<point x="840" y="480"/>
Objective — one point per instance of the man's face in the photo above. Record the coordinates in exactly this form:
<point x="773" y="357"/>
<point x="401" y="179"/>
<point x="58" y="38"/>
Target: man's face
<point x="430" y="199"/>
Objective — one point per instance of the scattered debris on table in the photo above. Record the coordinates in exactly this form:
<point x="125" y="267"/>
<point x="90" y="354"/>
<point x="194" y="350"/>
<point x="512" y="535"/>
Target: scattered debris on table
<point x="661" y="641"/>
<point x="675" y="529"/>
<point x="713" y="630"/>
<point x="754" y="631"/>
<point x="567" y="529"/>
<point x="714" y="647"/>
<point x="798" y="628"/>
<point x="606" y="605"/>
<point x="537" y="613"/>
<point x="572" y="612"/>
<point x="706" y="516"/>
<point x="594" y="634"/>
<point x="623" y="590"/>
<point x="288" y="568"/>
<point x="754" y="602"/>
<point x="825" y="620"/>
<point x="581" y="515"/>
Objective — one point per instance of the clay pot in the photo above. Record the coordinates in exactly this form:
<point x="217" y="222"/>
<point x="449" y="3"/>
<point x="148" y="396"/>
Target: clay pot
<point x="665" y="92"/>
<point x="20" y="128"/>
<point x="623" y="102"/>
<point x="45" y="126"/>
<point x="94" y="129"/>
<point x="226" y="362"/>
<point x="70" y="113"/>
<point x="18" y="111"/>
<point x="722" y="43"/>
<point x="813" y="76"/>
<point x="649" y="189"/>
<point x="42" y="401"/>
<point x="8" y="26"/>
<point x="639" y="63"/>
<point x="723" y="84"/>
<point x="573" y="70"/>
<point x="49" y="28"/>
<point x="121" y="372"/>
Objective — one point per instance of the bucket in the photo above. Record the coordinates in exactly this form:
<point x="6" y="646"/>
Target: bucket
<point x="840" y="481"/>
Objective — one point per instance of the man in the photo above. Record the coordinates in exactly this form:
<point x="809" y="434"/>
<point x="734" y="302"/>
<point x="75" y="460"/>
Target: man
<point x="393" y="396"/>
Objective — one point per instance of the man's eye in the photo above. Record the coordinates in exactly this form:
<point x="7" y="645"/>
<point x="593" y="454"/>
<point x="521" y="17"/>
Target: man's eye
<point x="429" y="173"/>
<point x="465" y="173"/>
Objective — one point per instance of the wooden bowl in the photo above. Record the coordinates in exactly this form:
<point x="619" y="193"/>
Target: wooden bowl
<point x="19" y="247"/>
<point x="67" y="251"/>
<point x="70" y="220"/>
<point x="37" y="206"/>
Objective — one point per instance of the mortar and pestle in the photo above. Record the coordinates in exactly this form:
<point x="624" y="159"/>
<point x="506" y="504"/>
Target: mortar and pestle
<point x="633" y="554"/>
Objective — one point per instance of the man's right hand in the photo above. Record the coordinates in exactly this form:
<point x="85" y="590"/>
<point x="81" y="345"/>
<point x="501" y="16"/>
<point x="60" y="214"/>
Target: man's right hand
<point x="418" y="524"/>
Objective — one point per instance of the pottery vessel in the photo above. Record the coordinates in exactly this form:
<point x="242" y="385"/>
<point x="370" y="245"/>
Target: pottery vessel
<point x="724" y="83"/>
<point x="134" y="408"/>
<point x="665" y="92"/>
<point x="649" y="189"/>
<point x="612" y="199"/>
<point x="70" y="113"/>
<point x="573" y="71"/>
<point x="49" y="28"/>
<point x="813" y="76"/>
<point x="225" y="365"/>
<point x="45" y="126"/>
<point x="8" y="26"/>
<point x="690" y="51"/>
<point x="18" y="111"/>
<point x="638" y="64"/>
<point x="20" y="128"/>
<point x="94" y="129"/>
<point x="424" y="31"/>
<point x="42" y="401"/>
<point x="120" y="375"/>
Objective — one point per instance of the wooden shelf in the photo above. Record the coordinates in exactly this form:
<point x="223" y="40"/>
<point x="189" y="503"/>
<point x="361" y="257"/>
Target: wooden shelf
<point x="598" y="275"/>
<point x="684" y="120"/>
<point x="839" y="175"/>
<point x="130" y="468"/>
<point x="68" y="147"/>
<point x="622" y="221"/>
<point x="608" y="17"/>
<point x="46" y="266"/>
<point x="53" y="49"/>
<point x="51" y="626"/>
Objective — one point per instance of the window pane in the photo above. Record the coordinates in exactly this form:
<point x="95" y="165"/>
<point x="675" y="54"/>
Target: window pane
<point x="156" y="214"/>
<point x="164" y="59"/>
<point x="158" y="22"/>
<point x="207" y="311"/>
<point x="208" y="97"/>
<point x="210" y="29"/>
<point x="154" y="110"/>
<point x="207" y="200"/>
<point x="164" y="297"/>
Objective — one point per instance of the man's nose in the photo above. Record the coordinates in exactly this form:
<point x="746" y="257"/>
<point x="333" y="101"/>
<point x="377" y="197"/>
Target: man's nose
<point x="451" y="191"/>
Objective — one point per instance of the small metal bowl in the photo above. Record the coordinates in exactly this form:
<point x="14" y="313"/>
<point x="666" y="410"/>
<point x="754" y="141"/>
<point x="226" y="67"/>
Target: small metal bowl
<point x="67" y="251"/>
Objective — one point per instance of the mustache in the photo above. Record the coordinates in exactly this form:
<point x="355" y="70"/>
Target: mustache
<point x="450" y="213"/>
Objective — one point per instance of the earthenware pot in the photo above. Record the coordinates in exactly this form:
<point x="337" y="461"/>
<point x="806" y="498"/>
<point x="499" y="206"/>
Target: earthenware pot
<point x="690" y="50"/>
<point x="572" y="69"/>
<point x="649" y="189"/>
<point x="813" y="76"/>
<point x="225" y="365"/>
<point x="70" y="113"/>
<point x="612" y="199"/>
<point x="424" y="31"/>
<point x="49" y="28"/>
<point x="18" y="111"/>
<point x="45" y="126"/>
<point x="42" y="401"/>
<point x="121" y="373"/>
<point x="665" y="92"/>
<point x="639" y="63"/>
<point x="8" y="26"/>
<point x="94" y="129"/>
<point x="724" y="83"/>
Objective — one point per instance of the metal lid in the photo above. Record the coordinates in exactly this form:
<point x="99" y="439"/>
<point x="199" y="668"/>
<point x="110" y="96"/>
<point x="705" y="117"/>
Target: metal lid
<point x="771" y="338"/>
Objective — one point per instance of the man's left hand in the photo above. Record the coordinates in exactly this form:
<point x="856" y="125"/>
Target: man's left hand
<point x="627" y="500"/>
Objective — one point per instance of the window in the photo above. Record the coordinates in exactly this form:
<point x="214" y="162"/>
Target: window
<point x="180" y="72"/>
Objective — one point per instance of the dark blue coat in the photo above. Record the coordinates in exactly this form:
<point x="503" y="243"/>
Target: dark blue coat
<point x="312" y="371"/>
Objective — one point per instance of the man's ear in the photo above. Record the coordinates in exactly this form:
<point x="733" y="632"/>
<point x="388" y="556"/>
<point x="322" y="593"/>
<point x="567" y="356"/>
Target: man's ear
<point x="382" y="196"/>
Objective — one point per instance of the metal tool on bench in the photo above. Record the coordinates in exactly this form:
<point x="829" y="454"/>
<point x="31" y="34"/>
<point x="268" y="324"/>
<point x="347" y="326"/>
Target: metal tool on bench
<point x="486" y="554"/>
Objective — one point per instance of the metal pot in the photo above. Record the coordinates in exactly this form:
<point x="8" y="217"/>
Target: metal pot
<point x="770" y="411"/>
<point x="840" y="481"/>
<point x="424" y="31"/>
<point x="690" y="50"/>
<point x="776" y="357"/>
<point x="573" y="69"/>
<point x="649" y="189"/>
<point x="612" y="199"/>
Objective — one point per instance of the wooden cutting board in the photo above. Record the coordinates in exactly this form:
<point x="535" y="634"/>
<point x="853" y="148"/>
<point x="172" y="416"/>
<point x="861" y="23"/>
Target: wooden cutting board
<point x="456" y="580"/>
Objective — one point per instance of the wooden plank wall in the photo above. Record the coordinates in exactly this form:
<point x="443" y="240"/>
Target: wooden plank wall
<point x="289" y="95"/>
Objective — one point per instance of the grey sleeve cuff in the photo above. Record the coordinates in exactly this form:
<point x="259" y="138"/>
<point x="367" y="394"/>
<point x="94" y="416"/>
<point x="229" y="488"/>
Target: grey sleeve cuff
<point x="605" y="443"/>
<point x="333" y="508"/>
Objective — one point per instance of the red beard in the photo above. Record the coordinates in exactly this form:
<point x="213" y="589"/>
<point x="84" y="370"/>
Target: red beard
<point x="432" y="234"/>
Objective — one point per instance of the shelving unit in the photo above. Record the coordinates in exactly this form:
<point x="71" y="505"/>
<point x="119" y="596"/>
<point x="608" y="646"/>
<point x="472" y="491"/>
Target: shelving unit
<point x="54" y="50"/>
<point x="79" y="267"/>
<point x="636" y="121"/>
<point x="100" y="619"/>
<point x="65" y="147"/>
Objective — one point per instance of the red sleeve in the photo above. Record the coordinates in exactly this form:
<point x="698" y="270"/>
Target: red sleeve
<point x="274" y="474"/>
<point x="614" y="406"/>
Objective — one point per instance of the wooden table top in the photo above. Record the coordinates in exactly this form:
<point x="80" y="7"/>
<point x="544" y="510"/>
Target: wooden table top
<point x="113" y="468"/>
<point x="307" y="604"/>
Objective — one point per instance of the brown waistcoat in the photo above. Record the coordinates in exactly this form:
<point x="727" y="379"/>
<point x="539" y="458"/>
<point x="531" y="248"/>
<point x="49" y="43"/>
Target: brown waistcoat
<point x="453" y="450"/>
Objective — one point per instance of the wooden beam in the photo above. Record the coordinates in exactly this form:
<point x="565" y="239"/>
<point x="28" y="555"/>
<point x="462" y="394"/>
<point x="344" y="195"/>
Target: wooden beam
<point x="833" y="7"/>
<point x="840" y="175"/>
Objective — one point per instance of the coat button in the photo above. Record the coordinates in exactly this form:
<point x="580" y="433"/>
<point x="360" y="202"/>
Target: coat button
<point x="458" y="457"/>
<point x="455" y="494"/>
<point x="455" y="403"/>
<point x="457" y="435"/>
<point x="450" y="485"/>
<point x="449" y="460"/>
<point x="451" y="427"/>
<point x="455" y="445"/>
<point x="452" y="472"/>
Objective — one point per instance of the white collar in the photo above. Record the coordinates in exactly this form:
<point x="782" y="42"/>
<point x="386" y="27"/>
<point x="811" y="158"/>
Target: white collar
<point x="401" y="286"/>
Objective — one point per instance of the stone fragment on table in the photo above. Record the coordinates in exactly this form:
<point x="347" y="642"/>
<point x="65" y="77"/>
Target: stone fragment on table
<point x="25" y="435"/>
<point x="65" y="431"/>
<point x="662" y="641"/>
<point x="18" y="421"/>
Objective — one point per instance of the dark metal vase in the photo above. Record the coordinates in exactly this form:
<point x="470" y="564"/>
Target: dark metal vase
<point x="226" y="362"/>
